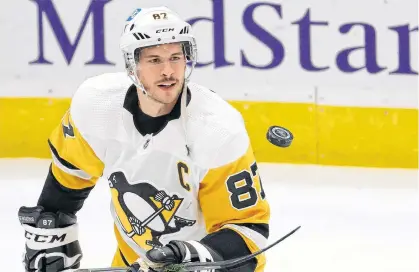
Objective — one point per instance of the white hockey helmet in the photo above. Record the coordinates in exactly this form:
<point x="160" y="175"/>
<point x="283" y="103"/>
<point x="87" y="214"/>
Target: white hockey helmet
<point x="155" y="26"/>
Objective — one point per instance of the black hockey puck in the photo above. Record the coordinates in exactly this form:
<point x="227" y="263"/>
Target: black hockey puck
<point x="279" y="136"/>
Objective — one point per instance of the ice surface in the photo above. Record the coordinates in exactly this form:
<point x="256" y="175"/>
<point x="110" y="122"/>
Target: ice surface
<point x="353" y="219"/>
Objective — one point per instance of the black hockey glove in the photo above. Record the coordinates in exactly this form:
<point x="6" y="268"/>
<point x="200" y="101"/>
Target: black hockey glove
<point x="176" y="252"/>
<point x="51" y="240"/>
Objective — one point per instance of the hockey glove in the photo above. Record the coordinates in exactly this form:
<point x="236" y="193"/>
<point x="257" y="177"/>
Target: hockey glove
<point x="176" y="252"/>
<point x="51" y="240"/>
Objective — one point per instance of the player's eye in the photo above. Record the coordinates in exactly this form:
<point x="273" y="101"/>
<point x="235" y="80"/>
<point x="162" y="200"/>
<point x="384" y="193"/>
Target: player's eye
<point x="177" y="58"/>
<point x="155" y="61"/>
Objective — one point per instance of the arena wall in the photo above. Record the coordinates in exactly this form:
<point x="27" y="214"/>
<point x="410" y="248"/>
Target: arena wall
<point x="341" y="75"/>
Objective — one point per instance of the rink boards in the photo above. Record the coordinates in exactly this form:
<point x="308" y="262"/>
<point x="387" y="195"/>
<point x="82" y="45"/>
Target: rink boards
<point x="329" y="135"/>
<point x="343" y="79"/>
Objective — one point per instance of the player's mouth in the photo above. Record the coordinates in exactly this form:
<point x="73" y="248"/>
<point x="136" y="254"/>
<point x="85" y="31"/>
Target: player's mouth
<point x="167" y="85"/>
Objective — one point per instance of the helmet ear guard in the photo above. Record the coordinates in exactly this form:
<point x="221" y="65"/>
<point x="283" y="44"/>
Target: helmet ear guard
<point x="128" y="59"/>
<point x="188" y="51"/>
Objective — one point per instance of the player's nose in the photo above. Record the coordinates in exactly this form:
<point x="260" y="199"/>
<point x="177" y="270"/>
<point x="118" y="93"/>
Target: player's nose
<point x="167" y="70"/>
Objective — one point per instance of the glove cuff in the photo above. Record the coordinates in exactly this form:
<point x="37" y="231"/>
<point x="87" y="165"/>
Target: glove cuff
<point x="198" y="252"/>
<point x="39" y="239"/>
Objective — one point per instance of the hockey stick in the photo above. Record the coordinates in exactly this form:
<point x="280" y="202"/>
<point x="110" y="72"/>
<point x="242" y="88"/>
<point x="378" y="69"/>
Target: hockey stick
<point x="147" y="221"/>
<point x="198" y="266"/>
<point x="108" y="269"/>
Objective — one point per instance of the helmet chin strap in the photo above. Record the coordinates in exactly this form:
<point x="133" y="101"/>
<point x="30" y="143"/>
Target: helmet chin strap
<point x="134" y="78"/>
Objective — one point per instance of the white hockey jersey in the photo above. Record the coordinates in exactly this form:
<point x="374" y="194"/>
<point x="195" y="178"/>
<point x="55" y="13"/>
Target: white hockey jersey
<point x="194" y="177"/>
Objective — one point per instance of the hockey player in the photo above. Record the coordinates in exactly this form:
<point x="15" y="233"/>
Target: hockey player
<point x="183" y="178"/>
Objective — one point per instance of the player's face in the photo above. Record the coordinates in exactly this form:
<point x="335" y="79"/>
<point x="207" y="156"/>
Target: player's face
<point x="161" y="70"/>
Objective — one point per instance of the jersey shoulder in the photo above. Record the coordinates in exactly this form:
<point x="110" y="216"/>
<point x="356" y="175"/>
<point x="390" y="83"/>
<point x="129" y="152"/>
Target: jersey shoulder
<point x="217" y="129"/>
<point x="97" y="105"/>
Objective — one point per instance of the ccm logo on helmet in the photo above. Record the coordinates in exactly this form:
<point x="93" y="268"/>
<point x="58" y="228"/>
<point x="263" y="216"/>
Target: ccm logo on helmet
<point x="44" y="238"/>
<point x="164" y="30"/>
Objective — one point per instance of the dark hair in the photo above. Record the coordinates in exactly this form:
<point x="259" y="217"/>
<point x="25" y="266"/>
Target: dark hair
<point x="186" y="48"/>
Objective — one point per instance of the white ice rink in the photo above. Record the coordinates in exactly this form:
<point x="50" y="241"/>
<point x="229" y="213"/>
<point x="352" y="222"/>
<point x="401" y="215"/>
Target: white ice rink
<point x="353" y="219"/>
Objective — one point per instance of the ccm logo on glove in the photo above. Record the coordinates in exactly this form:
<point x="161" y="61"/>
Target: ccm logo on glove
<point x="44" y="238"/>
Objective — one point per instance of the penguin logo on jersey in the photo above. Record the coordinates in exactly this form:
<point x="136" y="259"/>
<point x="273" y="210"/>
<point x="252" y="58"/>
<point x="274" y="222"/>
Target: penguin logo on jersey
<point x="144" y="212"/>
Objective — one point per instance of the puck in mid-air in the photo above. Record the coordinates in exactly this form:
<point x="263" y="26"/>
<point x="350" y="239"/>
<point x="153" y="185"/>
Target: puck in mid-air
<point x="279" y="136"/>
